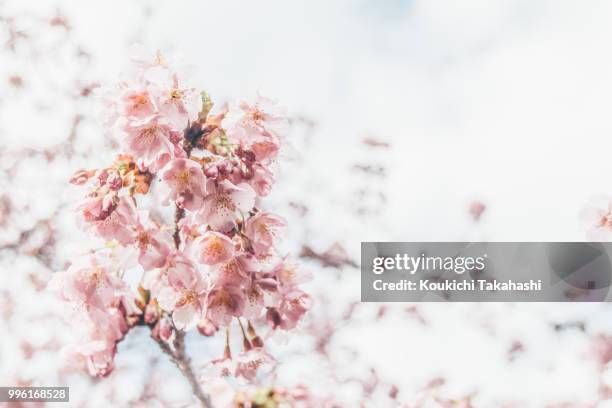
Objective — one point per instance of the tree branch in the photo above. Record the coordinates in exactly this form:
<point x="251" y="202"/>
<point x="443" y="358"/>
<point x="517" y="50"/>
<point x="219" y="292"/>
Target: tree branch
<point x="177" y="352"/>
<point x="179" y="357"/>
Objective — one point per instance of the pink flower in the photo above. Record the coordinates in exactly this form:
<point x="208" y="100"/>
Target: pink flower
<point x="100" y="331"/>
<point x="265" y="148"/>
<point x="152" y="141"/>
<point x="224" y="303"/>
<point x="221" y="367"/>
<point x="116" y="223"/>
<point x="151" y="88"/>
<point x="289" y="275"/>
<point x="185" y="182"/>
<point x="261" y="180"/>
<point x="163" y="329"/>
<point x="250" y="122"/>
<point x="206" y="327"/>
<point x="597" y="217"/>
<point x="102" y="301"/>
<point x="151" y="313"/>
<point x="225" y="203"/>
<point x="213" y="248"/>
<point x="251" y="362"/>
<point x="154" y="246"/>
<point x="261" y="229"/>
<point x="235" y="272"/>
<point x="81" y="177"/>
<point x="98" y="356"/>
<point x="180" y="105"/>
<point x="189" y="230"/>
<point x="89" y="281"/>
<point x="292" y="307"/>
<point x="142" y="59"/>
<point x="128" y="227"/>
<point x="134" y="103"/>
<point x="156" y="280"/>
<point x="273" y="318"/>
<point x="185" y="296"/>
<point x="97" y="207"/>
<point x="254" y="302"/>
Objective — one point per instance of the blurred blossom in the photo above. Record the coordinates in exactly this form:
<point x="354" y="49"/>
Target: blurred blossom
<point x="596" y="216"/>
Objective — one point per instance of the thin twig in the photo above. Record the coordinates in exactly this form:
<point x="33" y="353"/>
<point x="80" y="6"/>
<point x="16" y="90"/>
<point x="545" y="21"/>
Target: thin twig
<point x="178" y="216"/>
<point x="179" y="357"/>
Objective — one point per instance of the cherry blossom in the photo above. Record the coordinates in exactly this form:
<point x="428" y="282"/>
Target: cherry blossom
<point x="210" y="261"/>
<point x="262" y="180"/>
<point x="179" y="104"/>
<point x="289" y="275"/>
<point x="221" y="367"/>
<point x="119" y="222"/>
<point x="99" y="299"/>
<point x="88" y="282"/>
<point x="185" y="182"/>
<point x="185" y="296"/>
<point x="224" y="303"/>
<point x="225" y="203"/>
<point x="251" y="362"/>
<point x="213" y="248"/>
<point x="261" y="122"/>
<point x="154" y="245"/>
<point x="98" y="344"/>
<point x="261" y="229"/>
<point x="134" y="103"/>
<point x="292" y="307"/>
<point x="152" y="140"/>
<point x="156" y="280"/>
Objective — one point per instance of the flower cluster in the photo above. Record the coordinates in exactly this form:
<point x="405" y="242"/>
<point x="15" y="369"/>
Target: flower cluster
<point x="216" y="261"/>
<point x="105" y="309"/>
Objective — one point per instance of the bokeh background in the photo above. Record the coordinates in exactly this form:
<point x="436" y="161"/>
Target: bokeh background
<point x="405" y="115"/>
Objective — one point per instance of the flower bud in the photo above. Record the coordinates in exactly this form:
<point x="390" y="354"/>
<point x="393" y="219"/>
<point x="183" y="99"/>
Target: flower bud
<point x="246" y="344"/>
<point x="273" y="318"/>
<point x="142" y="183"/>
<point x="257" y="341"/>
<point x="249" y="156"/>
<point x="211" y="172"/>
<point x="80" y="177"/>
<point x="114" y="182"/>
<point x="151" y="314"/>
<point x="225" y="167"/>
<point x="163" y="329"/>
<point x="102" y="177"/>
<point x="206" y="327"/>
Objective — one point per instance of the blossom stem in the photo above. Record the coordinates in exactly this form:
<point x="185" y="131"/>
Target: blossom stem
<point x="179" y="357"/>
<point x="178" y="215"/>
<point x="245" y="339"/>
